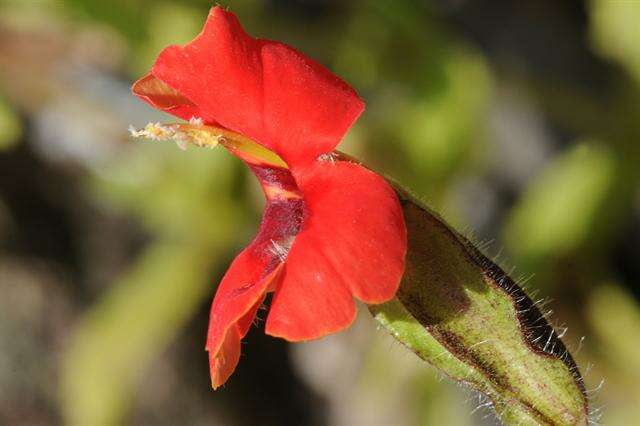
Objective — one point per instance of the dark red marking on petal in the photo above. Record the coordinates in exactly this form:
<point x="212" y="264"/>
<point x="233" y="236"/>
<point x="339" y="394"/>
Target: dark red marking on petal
<point x="275" y="176"/>
<point x="277" y="183"/>
<point x="262" y="89"/>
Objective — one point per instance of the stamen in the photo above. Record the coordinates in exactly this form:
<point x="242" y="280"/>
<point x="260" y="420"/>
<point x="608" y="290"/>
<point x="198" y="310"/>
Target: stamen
<point x="279" y="250"/>
<point x="153" y="131"/>
<point x="200" y="135"/>
<point x="281" y="247"/>
<point x="330" y="157"/>
<point x="183" y="134"/>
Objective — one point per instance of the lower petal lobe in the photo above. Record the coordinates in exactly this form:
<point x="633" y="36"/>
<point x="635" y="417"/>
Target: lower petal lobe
<point x="352" y="242"/>
<point x="254" y="272"/>
<point x="223" y="360"/>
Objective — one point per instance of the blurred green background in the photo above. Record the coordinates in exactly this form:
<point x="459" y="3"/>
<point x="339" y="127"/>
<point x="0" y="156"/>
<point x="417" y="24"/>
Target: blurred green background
<point x="518" y="121"/>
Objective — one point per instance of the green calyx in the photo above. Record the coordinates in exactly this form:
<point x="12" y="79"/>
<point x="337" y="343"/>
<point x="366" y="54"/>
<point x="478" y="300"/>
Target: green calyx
<point x="460" y="312"/>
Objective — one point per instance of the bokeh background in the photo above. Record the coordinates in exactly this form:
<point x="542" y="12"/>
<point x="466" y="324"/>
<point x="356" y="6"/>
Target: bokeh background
<point x="518" y="121"/>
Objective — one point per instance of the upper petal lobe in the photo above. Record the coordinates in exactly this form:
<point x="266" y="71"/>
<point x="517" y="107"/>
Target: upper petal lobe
<point x="262" y="89"/>
<point x="237" y="299"/>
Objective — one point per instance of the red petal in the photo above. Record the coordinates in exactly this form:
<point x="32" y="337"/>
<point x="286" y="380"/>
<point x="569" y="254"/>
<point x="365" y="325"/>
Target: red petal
<point x="353" y="241"/>
<point x="245" y="323"/>
<point x="163" y="97"/>
<point x="223" y="362"/>
<point x="264" y="90"/>
<point x="237" y="300"/>
<point x="244" y="285"/>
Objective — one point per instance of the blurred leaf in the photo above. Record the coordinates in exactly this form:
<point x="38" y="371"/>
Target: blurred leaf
<point x="171" y="190"/>
<point x="615" y="32"/>
<point x="124" y="15"/>
<point x="358" y="56"/>
<point x="421" y="397"/>
<point x="558" y="210"/>
<point x="186" y="199"/>
<point x="615" y="318"/>
<point x="168" y="24"/>
<point x="439" y="130"/>
<point x="130" y="325"/>
<point x="464" y="315"/>
<point x="30" y="13"/>
<point x="10" y="127"/>
<point x="5" y="221"/>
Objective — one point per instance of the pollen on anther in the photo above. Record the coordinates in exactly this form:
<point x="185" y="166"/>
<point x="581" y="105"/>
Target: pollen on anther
<point x="328" y="156"/>
<point x="154" y="131"/>
<point x="183" y="134"/>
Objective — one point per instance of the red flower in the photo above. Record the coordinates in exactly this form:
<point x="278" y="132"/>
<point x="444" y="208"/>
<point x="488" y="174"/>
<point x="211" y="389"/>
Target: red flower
<point x="331" y="229"/>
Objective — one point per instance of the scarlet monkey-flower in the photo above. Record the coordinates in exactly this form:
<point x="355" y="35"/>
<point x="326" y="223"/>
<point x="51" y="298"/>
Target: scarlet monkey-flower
<point x="332" y="230"/>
